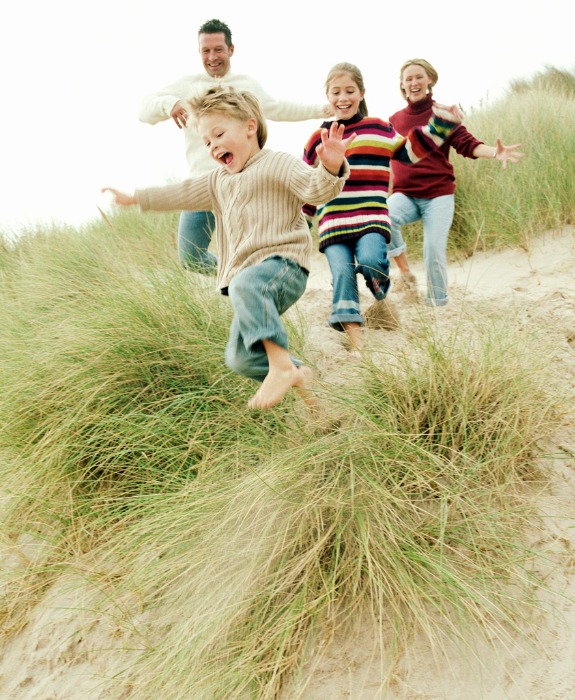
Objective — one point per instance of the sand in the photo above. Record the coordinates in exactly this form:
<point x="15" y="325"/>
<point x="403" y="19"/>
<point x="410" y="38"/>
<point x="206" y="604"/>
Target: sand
<point x="64" y="651"/>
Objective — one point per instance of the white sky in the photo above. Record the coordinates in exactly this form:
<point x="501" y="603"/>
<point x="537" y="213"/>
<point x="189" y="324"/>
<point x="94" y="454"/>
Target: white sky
<point x="74" y="72"/>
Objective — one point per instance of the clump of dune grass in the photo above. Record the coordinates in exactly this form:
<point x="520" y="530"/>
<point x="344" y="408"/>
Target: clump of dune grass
<point x="550" y="79"/>
<point x="113" y="384"/>
<point x="123" y="364"/>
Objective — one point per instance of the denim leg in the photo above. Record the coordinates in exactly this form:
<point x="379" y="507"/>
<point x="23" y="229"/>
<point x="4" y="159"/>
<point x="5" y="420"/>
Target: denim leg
<point x="403" y="210"/>
<point x="372" y="263"/>
<point x="194" y="235"/>
<point x="437" y="215"/>
<point x="260" y="295"/>
<point x="345" y="296"/>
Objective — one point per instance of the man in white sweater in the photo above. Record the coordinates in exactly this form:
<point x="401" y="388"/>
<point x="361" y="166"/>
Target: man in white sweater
<point x="216" y="49"/>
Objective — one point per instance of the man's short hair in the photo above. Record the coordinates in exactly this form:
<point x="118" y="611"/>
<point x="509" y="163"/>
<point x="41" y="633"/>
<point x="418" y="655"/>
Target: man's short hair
<point x="214" y="26"/>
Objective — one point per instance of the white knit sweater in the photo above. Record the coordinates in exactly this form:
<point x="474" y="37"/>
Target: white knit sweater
<point x="258" y="211"/>
<point x="157" y="107"/>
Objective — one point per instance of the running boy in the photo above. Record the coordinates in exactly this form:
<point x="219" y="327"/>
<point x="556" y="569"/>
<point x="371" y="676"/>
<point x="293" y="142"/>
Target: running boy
<point x="263" y="240"/>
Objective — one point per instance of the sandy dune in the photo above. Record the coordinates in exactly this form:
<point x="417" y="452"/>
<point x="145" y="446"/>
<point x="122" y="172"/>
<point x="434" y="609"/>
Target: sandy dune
<point x="64" y="652"/>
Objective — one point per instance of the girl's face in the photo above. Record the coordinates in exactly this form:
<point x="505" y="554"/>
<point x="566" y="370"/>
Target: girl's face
<point x="415" y="82"/>
<point x="344" y="96"/>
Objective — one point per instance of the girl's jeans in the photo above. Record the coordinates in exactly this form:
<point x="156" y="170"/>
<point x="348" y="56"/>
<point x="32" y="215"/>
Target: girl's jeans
<point x="260" y="295"/>
<point x="437" y="216"/>
<point x="194" y="235"/>
<point x="370" y="252"/>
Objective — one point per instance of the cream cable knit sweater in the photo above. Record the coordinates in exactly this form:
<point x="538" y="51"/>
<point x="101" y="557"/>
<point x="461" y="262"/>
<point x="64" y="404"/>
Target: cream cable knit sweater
<point x="258" y="211"/>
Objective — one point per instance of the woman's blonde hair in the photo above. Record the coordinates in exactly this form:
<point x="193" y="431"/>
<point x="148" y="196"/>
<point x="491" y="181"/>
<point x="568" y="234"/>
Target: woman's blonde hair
<point x="427" y="67"/>
<point x="239" y="104"/>
<point x="356" y="76"/>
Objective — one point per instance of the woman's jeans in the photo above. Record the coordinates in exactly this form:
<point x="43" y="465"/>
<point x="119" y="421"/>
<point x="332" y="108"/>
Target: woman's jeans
<point x="260" y="294"/>
<point x="194" y="235"/>
<point x="370" y="253"/>
<point x="437" y="216"/>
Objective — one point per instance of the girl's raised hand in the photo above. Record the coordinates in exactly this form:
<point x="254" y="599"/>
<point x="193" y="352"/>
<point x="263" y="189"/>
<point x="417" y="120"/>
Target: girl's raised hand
<point x="331" y="150"/>
<point x="452" y="113"/>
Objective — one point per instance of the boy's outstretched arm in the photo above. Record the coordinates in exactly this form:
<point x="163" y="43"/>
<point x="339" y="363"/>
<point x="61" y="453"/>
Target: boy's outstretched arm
<point x="124" y="200"/>
<point x="331" y="150"/>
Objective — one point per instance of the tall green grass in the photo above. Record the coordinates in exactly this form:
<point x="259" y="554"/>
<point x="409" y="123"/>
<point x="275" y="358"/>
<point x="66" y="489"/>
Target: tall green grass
<point x="243" y="540"/>
<point x="498" y="208"/>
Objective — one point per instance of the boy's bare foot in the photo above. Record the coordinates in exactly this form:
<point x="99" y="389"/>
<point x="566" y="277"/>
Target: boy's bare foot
<point x="278" y="382"/>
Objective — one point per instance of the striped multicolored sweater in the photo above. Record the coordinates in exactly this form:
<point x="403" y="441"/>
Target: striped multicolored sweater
<point x="361" y="207"/>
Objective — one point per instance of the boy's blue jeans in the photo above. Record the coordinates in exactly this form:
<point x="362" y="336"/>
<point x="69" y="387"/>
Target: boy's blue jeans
<point x="370" y="253"/>
<point x="260" y="295"/>
<point x="437" y="216"/>
<point x="194" y="234"/>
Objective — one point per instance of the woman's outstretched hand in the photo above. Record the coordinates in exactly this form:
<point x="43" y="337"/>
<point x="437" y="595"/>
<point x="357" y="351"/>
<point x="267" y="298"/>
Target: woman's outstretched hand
<point x="508" y="154"/>
<point x="331" y="150"/>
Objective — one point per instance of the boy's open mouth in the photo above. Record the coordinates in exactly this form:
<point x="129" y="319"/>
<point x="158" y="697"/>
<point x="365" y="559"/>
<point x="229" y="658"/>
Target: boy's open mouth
<point x="226" y="158"/>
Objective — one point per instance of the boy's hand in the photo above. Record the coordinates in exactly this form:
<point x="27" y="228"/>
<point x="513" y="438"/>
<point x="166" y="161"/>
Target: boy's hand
<point x="331" y="150"/>
<point x="124" y="200"/>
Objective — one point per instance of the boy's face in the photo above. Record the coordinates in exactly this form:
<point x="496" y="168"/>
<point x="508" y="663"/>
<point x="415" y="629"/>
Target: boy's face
<point x="230" y="141"/>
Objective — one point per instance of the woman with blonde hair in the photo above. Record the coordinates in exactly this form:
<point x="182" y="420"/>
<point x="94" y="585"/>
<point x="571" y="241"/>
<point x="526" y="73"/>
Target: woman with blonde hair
<point x="425" y="190"/>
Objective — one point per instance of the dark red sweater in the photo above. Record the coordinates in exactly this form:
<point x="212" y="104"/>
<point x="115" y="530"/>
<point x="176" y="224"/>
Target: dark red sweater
<point x="433" y="176"/>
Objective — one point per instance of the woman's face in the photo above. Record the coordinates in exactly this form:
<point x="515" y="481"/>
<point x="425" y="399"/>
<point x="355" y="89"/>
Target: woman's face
<point x="415" y="82"/>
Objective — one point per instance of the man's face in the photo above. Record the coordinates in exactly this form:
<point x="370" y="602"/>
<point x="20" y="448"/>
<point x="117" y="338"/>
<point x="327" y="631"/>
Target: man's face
<point x="215" y="54"/>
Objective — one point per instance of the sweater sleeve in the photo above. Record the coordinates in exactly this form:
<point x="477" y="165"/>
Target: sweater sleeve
<point x="156" y="107"/>
<point x="190" y="195"/>
<point x="279" y="110"/>
<point x="423" y="140"/>
<point x="463" y="142"/>
<point x="317" y="185"/>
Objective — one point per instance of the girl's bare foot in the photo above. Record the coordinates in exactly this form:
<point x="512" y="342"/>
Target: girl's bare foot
<point x="278" y="382"/>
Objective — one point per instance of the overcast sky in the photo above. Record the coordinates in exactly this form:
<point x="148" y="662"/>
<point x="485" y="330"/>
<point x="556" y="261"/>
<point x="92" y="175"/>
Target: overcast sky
<point x="75" y="71"/>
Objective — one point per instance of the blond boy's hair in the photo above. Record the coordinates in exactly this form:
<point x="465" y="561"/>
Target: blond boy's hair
<point x="239" y="104"/>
